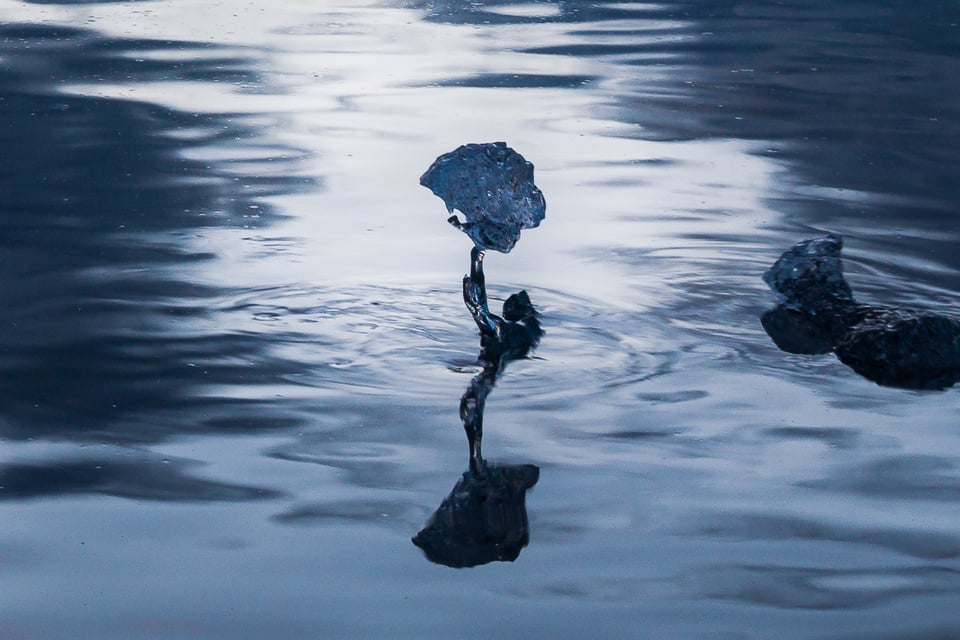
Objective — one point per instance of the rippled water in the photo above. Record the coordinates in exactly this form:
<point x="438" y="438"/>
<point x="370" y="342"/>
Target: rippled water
<point x="234" y="345"/>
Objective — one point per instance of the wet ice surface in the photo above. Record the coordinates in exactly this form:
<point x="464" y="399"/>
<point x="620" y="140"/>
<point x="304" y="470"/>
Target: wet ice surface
<point x="234" y="340"/>
<point x="808" y="277"/>
<point x="493" y="186"/>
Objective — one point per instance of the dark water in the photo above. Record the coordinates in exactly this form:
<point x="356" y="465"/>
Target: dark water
<point x="234" y="343"/>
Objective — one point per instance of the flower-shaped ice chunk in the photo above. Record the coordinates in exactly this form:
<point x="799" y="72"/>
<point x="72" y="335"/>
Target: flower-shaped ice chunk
<point x="492" y="185"/>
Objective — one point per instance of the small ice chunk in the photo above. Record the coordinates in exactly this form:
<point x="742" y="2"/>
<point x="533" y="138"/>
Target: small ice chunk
<point x="903" y="348"/>
<point x="808" y="277"/>
<point x="492" y="185"/>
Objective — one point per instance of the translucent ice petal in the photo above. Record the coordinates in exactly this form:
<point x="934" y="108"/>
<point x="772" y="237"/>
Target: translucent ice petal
<point x="492" y="185"/>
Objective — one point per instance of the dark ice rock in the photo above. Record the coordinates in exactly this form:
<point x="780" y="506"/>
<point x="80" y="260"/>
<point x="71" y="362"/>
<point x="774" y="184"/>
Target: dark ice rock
<point x="809" y="276"/>
<point x="818" y="313"/>
<point x="897" y="347"/>
<point x="492" y="185"/>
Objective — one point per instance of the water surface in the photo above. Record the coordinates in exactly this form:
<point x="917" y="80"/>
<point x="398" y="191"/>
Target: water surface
<point x="234" y="342"/>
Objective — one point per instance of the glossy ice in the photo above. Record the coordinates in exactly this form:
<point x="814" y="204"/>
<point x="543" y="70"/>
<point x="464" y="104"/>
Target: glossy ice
<point x="493" y="186"/>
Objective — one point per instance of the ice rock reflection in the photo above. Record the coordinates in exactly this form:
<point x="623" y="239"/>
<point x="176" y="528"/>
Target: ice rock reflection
<point x="492" y="185"/>
<point x="484" y="519"/>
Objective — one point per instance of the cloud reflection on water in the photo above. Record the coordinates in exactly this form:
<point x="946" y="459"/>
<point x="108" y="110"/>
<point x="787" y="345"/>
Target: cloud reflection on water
<point x="104" y="309"/>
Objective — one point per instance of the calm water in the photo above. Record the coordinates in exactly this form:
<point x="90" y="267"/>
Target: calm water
<point x="234" y="346"/>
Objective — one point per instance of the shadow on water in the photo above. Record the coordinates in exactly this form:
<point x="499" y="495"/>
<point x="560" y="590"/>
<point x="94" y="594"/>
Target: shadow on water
<point x="105" y="319"/>
<point x="484" y="519"/>
<point x="137" y="477"/>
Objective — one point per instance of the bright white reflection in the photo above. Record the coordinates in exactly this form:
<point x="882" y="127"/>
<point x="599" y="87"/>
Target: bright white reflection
<point x="531" y="10"/>
<point x="370" y="95"/>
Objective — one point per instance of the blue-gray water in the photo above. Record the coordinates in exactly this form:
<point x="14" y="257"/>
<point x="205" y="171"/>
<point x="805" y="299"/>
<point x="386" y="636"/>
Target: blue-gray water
<point x="233" y="343"/>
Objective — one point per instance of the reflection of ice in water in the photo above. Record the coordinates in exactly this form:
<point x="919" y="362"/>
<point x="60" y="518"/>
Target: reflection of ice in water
<point x="484" y="519"/>
<point x="492" y="185"/>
